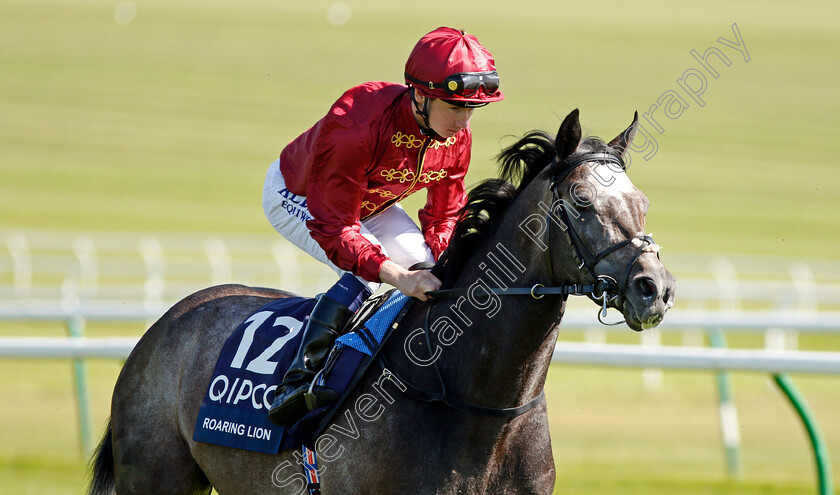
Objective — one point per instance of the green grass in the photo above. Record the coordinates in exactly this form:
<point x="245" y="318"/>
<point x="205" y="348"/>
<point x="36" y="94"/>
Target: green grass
<point x="168" y="123"/>
<point x="609" y="434"/>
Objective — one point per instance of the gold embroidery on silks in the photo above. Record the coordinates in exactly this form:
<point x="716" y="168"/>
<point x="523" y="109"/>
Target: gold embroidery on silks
<point x="404" y="176"/>
<point x="409" y="140"/>
<point x="398" y="175"/>
<point x="434" y="175"/>
<point x="367" y="205"/>
<point x="437" y="144"/>
<point x="383" y="193"/>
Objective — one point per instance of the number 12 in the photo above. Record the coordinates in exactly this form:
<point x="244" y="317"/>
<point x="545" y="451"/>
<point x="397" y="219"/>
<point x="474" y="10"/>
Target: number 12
<point x="261" y="364"/>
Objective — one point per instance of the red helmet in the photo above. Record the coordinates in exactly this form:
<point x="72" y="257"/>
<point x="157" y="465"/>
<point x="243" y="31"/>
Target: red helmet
<point x="452" y="65"/>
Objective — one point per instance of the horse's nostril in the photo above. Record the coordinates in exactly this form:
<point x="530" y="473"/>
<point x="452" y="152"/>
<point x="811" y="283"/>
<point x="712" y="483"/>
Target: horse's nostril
<point x="646" y="287"/>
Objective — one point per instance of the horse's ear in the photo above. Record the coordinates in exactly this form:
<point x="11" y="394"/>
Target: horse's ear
<point x="568" y="137"/>
<point x="623" y="140"/>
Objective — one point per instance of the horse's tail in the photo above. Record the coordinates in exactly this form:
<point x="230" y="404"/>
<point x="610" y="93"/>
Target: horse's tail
<point x="102" y="481"/>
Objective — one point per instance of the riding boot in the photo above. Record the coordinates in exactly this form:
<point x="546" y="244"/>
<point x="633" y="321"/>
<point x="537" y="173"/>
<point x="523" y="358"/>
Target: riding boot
<point x="292" y="399"/>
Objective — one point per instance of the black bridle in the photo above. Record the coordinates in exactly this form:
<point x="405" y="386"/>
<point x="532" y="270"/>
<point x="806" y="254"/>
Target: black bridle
<point x="608" y="292"/>
<point x="604" y="290"/>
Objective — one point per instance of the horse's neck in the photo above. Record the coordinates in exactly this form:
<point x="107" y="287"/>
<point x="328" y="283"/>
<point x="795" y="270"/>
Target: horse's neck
<point x="502" y="356"/>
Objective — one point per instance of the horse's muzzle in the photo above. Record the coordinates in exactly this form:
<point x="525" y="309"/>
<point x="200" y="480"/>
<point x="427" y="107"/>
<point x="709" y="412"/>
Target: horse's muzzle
<point x="648" y="295"/>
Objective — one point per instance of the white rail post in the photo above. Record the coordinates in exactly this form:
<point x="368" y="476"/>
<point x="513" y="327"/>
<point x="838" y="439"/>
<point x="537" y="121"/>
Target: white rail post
<point x="693" y="337"/>
<point x="86" y="253"/>
<point x="805" y="285"/>
<point x="652" y="378"/>
<point x="220" y="267"/>
<point x="288" y="266"/>
<point x="70" y="293"/>
<point x="730" y="428"/>
<point x="152" y="253"/>
<point x="727" y="283"/>
<point x="76" y="330"/>
<point x="21" y="264"/>
<point x="595" y="335"/>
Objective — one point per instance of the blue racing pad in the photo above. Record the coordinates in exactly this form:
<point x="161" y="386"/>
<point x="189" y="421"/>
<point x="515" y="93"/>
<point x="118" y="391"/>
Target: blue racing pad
<point x="376" y="326"/>
<point x="234" y="412"/>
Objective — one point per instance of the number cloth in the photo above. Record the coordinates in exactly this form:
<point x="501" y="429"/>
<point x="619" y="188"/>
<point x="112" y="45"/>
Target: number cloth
<point x="250" y="364"/>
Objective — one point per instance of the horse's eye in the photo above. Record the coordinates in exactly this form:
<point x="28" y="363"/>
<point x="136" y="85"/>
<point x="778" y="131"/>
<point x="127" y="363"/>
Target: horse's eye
<point x="582" y="202"/>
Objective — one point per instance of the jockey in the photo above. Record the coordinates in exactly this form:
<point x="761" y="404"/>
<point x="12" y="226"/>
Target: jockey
<point x="335" y="190"/>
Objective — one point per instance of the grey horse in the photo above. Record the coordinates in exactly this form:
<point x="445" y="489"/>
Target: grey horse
<point x="563" y="214"/>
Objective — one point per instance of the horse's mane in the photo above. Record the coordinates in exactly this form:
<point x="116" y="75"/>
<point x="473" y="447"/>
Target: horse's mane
<point x="519" y="165"/>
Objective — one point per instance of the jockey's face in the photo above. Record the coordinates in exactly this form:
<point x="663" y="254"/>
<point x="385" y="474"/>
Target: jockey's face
<point x="444" y="118"/>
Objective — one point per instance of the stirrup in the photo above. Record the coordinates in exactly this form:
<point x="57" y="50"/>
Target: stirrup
<point x="317" y="395"/>
<point x="297" y="404"/>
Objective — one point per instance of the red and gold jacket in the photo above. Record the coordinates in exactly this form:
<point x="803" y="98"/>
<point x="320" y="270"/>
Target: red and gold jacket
<point x="366" y="154"/>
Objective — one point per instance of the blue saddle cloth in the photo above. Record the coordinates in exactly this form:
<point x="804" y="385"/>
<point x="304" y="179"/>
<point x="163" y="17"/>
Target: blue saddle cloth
<point x="234" y="412"/>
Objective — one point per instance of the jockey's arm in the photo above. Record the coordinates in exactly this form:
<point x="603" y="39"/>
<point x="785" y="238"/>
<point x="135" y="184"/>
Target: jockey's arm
<point x="411" y="283"/>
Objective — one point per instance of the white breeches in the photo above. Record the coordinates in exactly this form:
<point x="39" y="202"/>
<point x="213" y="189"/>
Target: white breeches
<point x="393" y="230"/>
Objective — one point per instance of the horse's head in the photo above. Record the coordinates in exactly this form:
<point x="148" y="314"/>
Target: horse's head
<point x="603" y="215"/>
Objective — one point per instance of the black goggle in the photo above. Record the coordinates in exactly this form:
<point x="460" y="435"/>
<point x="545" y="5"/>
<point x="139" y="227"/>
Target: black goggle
<point x="465" y="84"/>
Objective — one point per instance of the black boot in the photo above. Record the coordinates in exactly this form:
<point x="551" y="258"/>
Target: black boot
<point x="292" y="399"/>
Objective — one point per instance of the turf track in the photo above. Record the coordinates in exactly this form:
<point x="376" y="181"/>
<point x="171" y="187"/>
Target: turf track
<point x="167" y="123"/>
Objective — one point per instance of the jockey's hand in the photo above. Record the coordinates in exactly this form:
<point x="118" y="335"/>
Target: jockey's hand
<point x="411" y="283"/>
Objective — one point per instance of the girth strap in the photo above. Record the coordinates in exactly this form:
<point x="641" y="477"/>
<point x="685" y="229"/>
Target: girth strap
<point x="509" y="412"/>
<point x="459" y="405"/>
